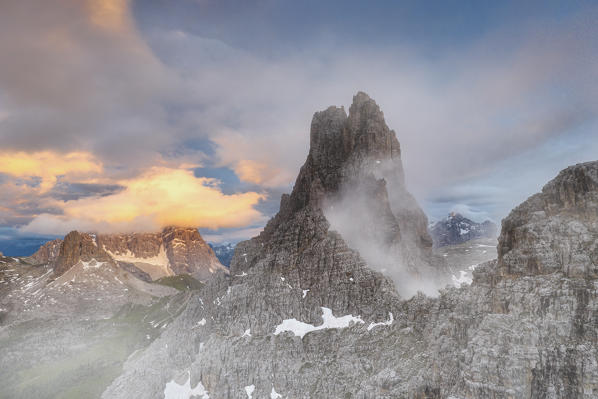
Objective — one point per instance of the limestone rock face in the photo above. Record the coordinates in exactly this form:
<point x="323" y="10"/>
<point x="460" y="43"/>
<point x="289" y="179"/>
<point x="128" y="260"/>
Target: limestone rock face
<point x="47" y="253"/>
<point x="174" y="250"/>
<point x="555" y="230"/>
<point x="78" y="247"/>
<point x="136" y="245"/>
<point x="188" y="253"/>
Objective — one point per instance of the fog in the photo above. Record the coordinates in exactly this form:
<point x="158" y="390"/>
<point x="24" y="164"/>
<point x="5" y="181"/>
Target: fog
<point x="377" y="217"/>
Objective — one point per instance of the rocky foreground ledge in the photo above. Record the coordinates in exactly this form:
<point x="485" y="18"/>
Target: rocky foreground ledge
<point x="303" y="314"/>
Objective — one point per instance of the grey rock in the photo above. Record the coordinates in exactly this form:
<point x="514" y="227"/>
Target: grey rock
<point x="555" y="230"/>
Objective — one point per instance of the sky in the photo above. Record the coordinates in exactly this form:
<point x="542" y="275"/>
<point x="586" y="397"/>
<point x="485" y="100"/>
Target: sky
<point x="120" y="115"/>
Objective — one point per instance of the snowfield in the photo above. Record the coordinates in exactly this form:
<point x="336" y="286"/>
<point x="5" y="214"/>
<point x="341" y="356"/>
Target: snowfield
<point x="176" y="391"/>
<point x="300" y="328"/>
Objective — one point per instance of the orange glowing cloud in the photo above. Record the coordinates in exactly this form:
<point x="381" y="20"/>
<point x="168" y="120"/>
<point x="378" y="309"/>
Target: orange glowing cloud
<point x="48" y="166"/>
<point x="253" y="171"/>
<point x="160" y="197"/>
<point x="112" y="15"/>
<point x="265" y="168"/>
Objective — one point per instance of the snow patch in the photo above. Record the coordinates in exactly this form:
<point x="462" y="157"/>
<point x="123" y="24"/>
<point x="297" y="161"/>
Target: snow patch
<point x="161" y="259"/>
<point x="176" y="391"/>
<point x="92" y="264"/>
<point x="383" y="323"/>
<point x="465" y="276"/>
<point x="274" y="394"/>
<point x="300" y="328"/>
<point x="249" y="391"/>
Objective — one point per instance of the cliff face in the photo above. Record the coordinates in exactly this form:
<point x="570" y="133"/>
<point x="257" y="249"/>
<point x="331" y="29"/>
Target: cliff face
<point x="555" y="230"/>
<point x="188" y="253"/>
<point x="302" y="315"/>
<point x="174" y="250"/>
<point x="78" y="247"/>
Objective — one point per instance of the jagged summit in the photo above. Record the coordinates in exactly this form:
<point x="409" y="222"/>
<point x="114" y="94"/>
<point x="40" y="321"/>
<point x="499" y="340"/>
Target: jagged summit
<point x="352" y="183"/>
<point x="78" y="247"/>
<point x="354" y="176"/>
<point x="341" y="144"/>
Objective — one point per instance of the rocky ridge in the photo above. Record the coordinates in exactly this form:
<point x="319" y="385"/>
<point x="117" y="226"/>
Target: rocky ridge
<point x="172" y="251"/>
<point x="47" y="253"/>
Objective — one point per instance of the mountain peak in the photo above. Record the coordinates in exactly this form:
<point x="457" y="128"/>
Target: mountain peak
<point x="343" y="145"/>
<point x="354" y="172"/>
<point x="457" y="229"/>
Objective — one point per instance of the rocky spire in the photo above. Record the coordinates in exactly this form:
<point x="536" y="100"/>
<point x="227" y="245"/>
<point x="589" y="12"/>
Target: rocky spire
<point x="341" y="145"/>
<point x="353" y="182"/>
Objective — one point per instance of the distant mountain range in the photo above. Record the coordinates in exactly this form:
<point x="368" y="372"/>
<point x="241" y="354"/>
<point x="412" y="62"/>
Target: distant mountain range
<point x="151" y="256"/>
<point x="457" y="229"/>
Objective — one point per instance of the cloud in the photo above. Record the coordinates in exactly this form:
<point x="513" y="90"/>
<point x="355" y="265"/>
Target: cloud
<point x="159" y="197"/>
<point x="77" y="76"/>
<point x="48" y="166"/>
<point x="81" y="77"/>
<point x="458" y="114"/>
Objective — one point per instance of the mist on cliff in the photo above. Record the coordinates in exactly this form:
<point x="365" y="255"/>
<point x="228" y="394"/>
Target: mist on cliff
<point x="377" y="217"/>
